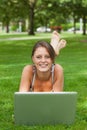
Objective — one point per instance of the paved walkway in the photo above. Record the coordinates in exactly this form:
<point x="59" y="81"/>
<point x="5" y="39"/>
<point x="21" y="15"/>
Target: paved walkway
<point x="24" y="38"/>
<point x="27" y="37"/>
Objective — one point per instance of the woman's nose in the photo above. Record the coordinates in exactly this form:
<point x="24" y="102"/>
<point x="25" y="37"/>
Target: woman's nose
<point x="43" y="59"/>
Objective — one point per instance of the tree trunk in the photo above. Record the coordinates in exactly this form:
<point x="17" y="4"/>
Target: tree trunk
<point x="74" y="25"/>
<point x="32" y="4"/>
<point x="84" y="25"/>
<point x="31" y="22"/>
<point x="7" y="27"/>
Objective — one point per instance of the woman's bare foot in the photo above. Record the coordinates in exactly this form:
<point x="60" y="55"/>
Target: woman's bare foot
<point x="55" y="40"/>
<point x="56" y="43"/>
<point x="60" y="45"/>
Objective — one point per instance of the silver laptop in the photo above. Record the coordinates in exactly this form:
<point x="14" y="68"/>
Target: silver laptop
<point x="44" y="108"/>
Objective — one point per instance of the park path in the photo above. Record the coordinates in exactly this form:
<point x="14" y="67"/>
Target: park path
<point x="25" y="38"/>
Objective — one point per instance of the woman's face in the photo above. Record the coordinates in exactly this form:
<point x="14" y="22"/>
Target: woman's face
<point x="42" y="59"/>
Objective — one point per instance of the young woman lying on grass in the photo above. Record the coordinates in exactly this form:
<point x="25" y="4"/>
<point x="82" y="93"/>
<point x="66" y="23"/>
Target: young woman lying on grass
<point x="44" y="75"/>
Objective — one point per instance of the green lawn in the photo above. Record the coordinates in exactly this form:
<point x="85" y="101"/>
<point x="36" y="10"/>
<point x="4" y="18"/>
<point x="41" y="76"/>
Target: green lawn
<point x="14" y="55"/>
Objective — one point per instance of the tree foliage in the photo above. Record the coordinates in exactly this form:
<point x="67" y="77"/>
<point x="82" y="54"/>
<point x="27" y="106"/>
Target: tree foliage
<point x="42" y="12"/>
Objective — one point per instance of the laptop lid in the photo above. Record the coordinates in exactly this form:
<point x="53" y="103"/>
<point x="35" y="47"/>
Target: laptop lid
<point x="44" y="108"/>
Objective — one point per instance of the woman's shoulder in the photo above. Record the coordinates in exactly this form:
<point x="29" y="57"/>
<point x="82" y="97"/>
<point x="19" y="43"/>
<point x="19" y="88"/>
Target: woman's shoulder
<point x="58" y="71"/>
<point x="28" y="68"/>
<point x="58" y="67"/>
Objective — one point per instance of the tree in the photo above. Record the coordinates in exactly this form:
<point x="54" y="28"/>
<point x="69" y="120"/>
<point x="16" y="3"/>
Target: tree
<point x="46" y="14"/>
<point x="10" y="10"/>
<point x="78" y="9"/>
<point x="6" y="9"/>
<point x="30" y="7"/>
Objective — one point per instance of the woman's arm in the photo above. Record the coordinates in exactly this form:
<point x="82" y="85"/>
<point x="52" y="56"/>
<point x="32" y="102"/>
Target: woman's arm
<point x="26" y="79"/>
<point x="58" y="79"/>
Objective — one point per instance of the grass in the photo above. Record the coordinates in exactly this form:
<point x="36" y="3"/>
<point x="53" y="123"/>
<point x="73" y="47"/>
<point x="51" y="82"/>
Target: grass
<point x="15" y="54"/>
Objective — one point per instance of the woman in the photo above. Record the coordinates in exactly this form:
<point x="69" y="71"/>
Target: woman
<point x="44" y="75"/>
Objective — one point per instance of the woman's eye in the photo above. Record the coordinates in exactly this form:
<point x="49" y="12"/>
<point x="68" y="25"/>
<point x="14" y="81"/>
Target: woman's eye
<point x="38" y="57"/>
<point x="47" y="57"/>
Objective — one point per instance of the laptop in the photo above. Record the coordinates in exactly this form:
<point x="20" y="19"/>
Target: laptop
<point x="44" y="108"/>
